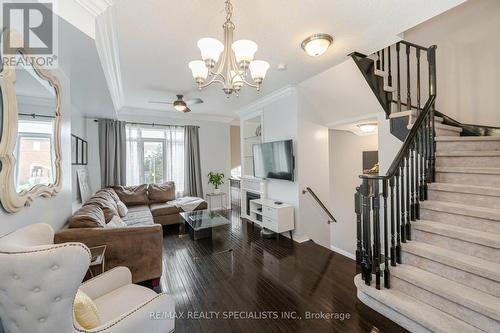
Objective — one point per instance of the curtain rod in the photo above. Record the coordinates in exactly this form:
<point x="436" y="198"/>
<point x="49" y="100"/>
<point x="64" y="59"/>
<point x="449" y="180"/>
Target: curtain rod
<point x="152" y="124"/>
<point x="34" y="115"/>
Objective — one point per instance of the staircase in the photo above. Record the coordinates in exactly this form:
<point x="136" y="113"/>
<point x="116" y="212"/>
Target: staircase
<point x="430" y="228"/>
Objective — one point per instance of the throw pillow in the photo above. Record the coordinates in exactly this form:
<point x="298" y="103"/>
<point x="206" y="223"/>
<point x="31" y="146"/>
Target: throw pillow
<point x="122" y="209"/>
<point x="85" y="311"/>
<point x="89" y="216"/>
<point x="116" y="222"/>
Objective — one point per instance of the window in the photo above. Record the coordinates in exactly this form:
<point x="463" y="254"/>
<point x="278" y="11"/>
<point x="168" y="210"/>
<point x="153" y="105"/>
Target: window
<point x="155" y="155"/>
<point x="34" y="154"/>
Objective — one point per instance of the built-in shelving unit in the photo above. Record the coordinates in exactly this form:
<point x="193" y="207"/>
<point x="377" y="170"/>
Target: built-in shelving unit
<point x="251" y="134"/>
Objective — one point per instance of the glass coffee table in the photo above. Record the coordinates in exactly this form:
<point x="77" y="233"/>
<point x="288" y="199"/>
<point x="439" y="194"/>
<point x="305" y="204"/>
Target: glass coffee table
<point x="200" y="223"/>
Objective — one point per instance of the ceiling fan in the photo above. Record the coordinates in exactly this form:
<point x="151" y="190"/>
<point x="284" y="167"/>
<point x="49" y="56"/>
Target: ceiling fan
<point x="180" y="104"/>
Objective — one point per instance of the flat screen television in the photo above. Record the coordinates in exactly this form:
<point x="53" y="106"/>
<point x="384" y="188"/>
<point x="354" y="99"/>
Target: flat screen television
<point x="274" y="160"/>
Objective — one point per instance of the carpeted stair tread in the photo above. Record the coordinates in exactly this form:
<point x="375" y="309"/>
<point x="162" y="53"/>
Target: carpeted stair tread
<point x="462" y="188"/>
<point x="425" y="315"/>
<point x="473" y="299"/>
<point x="473" y="170"/>
<point x="460" y="209"/>
<point x="469" y="235"/>
<point x="471" y="264"/>
<point x="467" y="138"/>
<point x="468" y="153"/>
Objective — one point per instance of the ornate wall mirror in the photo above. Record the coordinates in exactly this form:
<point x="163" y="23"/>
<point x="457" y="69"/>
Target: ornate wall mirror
<point x="30" y="144"/>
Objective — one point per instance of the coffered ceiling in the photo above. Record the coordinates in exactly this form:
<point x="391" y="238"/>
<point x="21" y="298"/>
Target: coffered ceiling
<point x="145" y="46"/>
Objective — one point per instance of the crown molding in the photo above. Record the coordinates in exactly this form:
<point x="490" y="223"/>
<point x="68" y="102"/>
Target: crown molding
<point x="107" y="48"/>
<point x="162" y="116"/>
<point x="350" y="124"/>
<point x="288" y="90"/>
<point x="95" y="7"/>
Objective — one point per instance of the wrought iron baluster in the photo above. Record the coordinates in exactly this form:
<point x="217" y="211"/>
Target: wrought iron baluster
<point x="412" y="182"/>
<point x="389" y="74"/>
<point x="407" y="196"/>
<point x="393" y="223"/>
<point x="386" y="237"/>
<point x="376" y="230"/>
<point x="418" y="81"/>
<point x="398" y="218"/>
<point x="357" y="208"/>
<point x="398" y="65"/>
<point x="367" y="253"/>
<point x="408" y="79"/>
<point x="403" y="203"/>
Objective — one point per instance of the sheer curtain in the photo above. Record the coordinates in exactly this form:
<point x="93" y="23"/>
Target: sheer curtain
<point x="155" y="155"/>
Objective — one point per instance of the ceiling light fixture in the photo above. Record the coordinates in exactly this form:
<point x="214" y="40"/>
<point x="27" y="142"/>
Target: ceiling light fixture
<point x="237" y="61"/>
<point x="367" y="128"/>
<point x="317" y="44"/>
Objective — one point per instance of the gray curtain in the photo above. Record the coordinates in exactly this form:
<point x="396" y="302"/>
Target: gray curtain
<point x="193" y="185"/>
<point x="112" y="151"/>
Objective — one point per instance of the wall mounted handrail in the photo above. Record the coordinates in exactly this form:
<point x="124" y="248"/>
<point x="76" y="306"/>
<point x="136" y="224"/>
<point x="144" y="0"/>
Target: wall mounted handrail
<point x="320" y="203"/>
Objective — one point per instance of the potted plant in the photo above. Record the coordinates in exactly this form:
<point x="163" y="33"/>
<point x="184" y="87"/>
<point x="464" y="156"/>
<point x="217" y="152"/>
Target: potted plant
<point x="216" y="179"/>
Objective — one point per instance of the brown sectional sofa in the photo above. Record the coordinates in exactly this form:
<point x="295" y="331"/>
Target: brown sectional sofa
<point x="139" y="244"/>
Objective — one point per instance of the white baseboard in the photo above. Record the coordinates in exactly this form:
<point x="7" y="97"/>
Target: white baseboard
<point x="343" y="252"/>
<point x="299" y="239"/>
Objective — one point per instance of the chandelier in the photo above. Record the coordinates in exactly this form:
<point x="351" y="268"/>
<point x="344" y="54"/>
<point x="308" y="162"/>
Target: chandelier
<point x="233" y="68"/>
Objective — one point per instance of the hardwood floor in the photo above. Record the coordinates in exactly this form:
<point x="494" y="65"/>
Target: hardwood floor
<point x="261" y="279"/>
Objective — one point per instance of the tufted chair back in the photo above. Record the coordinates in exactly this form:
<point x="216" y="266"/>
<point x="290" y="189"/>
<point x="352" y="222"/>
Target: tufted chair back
<point x="39" y="280"/>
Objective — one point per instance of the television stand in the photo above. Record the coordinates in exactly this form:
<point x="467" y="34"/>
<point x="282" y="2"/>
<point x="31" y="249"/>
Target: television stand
<point x="278" y="218"/>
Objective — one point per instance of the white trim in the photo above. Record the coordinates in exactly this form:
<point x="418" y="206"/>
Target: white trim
<point x="95" y="7"/>
<point x="163" y="116"/>
<point x="107" y="48"/>
<point x="343" y="252"/>
<point x="265" y="100"/>
<point x="299" y="239"/>
<point x="368" y="116"/>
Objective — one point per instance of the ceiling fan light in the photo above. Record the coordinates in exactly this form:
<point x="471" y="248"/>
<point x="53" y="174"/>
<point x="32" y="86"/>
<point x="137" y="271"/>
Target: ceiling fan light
<point x="199" y="71"/>
<point x="211" y="49"/>
<point x="258" y="70"/>
<point x="244" y="51"/>
<point x="180" y="107"/>
<point x="317" y="44"/>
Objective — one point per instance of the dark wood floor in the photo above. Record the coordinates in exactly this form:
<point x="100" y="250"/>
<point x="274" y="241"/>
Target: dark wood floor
<point x="259" y="278"/>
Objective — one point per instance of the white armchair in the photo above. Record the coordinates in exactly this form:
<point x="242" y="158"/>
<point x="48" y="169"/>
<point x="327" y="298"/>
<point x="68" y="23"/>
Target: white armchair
<point x="39" y="281"/>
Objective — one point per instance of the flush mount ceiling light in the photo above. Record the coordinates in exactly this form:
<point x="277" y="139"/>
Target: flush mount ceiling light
<point x="367" y="128"/>
<point x="317" y="44"/>
<point x="233" y="67"/>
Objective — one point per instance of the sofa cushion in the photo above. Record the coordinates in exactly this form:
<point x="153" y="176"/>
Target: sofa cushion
<point x="89" y="216"/>
<point x="160" y="209"/>
<point x="161" y="192"/>
<point x="106" y="203"/>
<point x="138" y="216"/>
<point x="133" y="195"/>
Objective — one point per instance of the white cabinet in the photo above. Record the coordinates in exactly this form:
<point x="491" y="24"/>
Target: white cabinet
<point x="271" y="215"/>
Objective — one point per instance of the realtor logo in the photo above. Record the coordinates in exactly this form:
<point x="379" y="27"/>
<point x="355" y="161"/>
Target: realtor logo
<point x="30" y="26"/>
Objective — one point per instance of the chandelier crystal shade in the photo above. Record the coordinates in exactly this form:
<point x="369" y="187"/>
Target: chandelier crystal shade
<point x="230" y="64"/>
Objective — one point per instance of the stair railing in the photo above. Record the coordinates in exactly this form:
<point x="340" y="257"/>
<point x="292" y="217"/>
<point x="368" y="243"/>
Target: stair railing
<point x="320" y="203"/>
<point x="398" y="193"/>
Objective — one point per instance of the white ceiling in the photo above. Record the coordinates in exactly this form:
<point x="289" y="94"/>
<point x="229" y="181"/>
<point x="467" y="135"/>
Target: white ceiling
<point x="157" y="39"/>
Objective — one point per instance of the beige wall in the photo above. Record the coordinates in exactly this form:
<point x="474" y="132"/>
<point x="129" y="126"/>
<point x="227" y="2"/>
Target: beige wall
<point x="345" y="167"/>
<point x="468" y="73"/>
<point x="235" y="146"/>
